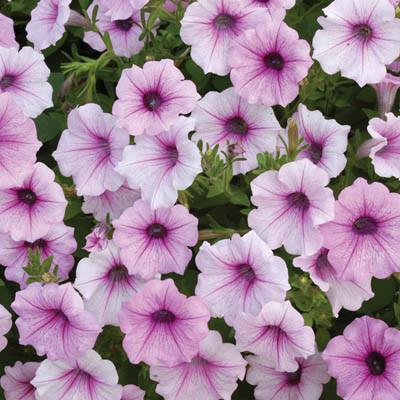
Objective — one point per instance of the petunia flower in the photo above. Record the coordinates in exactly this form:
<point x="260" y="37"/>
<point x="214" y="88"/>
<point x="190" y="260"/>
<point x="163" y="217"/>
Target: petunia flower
<point x="240" y="274"/>
<point x="154" y="241"/>
<point x="151" y="98"/>
<point x="97" y="240"/>
<point x="162" y="326"/>
<point x="111" y="203"/>
<point x="59" y="242"/>
<point x="211" y="28"/>
<point x="132" y="392"/>
<point x="24" y="75"/>
<point x="52" y="319"/>
<point x="16" y="381"/>
<point x="341" y="293"/>
<point x="212" y="373"/>
<point x="5" y="326"/>
<point x="276" y="8"/>
<point x="268" y="63"/>
<point x="226" y="120"/>
<point x="292" y="203"/>
<point x="365" y="360"/>
<point x="90" y="149"/>
<point x="306" y="383"/>
<point x="18" y="140"/>
<point x="162" y="165"/>
<point x="278" y="333"/>
<point x="32" y="204"/>
<point x="105" y="284"/>
<point x="326" y="140"/>
<point x="359" y="38"/>
<point x="121" y="9"/>
<point x="7" y="34"/>
<point x="364" y="238"/>
<point x="88" y="377"/>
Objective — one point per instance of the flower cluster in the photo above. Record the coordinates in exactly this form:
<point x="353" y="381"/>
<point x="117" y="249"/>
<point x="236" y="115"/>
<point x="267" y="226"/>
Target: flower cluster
<point x="191" y="197"/>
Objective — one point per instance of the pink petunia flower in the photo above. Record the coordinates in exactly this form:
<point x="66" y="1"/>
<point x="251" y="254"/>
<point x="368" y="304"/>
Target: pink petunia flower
<point x="47" y="24"/>
<point x="16" y="381"/>
<point x="306" y="383"/>
<point x="292" y="203"/>
<point x="326" y="140"/>
<point x="52" y="319"/>
<point x="124" y="33"/>
<point x="154" y="241"/>
<point x="59" y="242"/>
<point x="162" y="326"/>
<point x="268" y="63"/>
<point x="32" y="204"/>
<point x="97" y="240"/>
<point x="18" y="140"/>
<point x="24" y="75"/>
<point x="384" y="147"/>
<point x="5" y="326"/>
<point x="240" y="274"/>
<point x="88" y="377"/>
<point x="212" y="373"/>
<point x="111" y="203"/>
<point x="387" y="89"/>
<point x="365" y="360"/>
<point x="359" y="38"/>
<point x="121" y="9"/>
<point x="278" y="333"/>
<point x="277" y="8"/>
<point x="105" y="283"/>
<point x="90" y="149"/>
<point x="151" y="98"/>
<point x="364" y="238"/>
<point x="228" y="120"/>
<point x="341" y="293"/>
<point x="132" y="392"/>
<point x="7" y="34"/>
<point x="170" y="6"/>
<point x="162" y="165"/>
<point x="211" y="28"/>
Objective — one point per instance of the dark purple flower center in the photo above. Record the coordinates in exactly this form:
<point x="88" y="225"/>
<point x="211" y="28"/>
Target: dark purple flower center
<point x="173" y="154"/>
<point x="118" y="273"/>
<point x="237" y="126"/>
<point x="163" y="316"/>
<point x="365" y="226"/>
<point x="315" y="152"/>
<point x="157" y="231"/>
<point x="293" y="378"/>
<point x="26" y="196"/>
<point x="224" y="21"/>
<point x="37" y="244"/>
<point x="6" y="81"/>
<point x="262" y="1"/>
<point x="246" y="272"/>
<point x="322" y="260"/>
<point x="152" y="100"/>
<point x="274" y="61"/>
<point x="363" y="31"/>
<point x="124" y="24"/>
<point x="376" y="363"/>
<point x="298" y="200"/>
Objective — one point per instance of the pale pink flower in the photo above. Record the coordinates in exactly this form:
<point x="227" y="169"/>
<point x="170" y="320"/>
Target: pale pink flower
<point x="132" y="392"/>
<point x="162" y="326"/>
<point x="16" y="381"/>
<point x="211" y="374"/>
<point x="239" y="274"/>
<point x="151" y="98"/>
<point x="121" y="9"/>
<point x="162" y="165"/>
<point x="7" y="34"/>
<point x="226" y="120"/>
<point x="90" y="149"/>
<point x="97" y="240"/>
<point x="88" y="377"/>
<point x="24" y="75"/>
<point x="359" y="38"/>
<point x="292" y="203"/>
<point x="154" y="241"/>
<point x="52" y="319"/>
<point x="5" y="326"/>
<point x="278" y="333"/>
<point x="277" y="8"/>
<point x="211" y="28"/>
